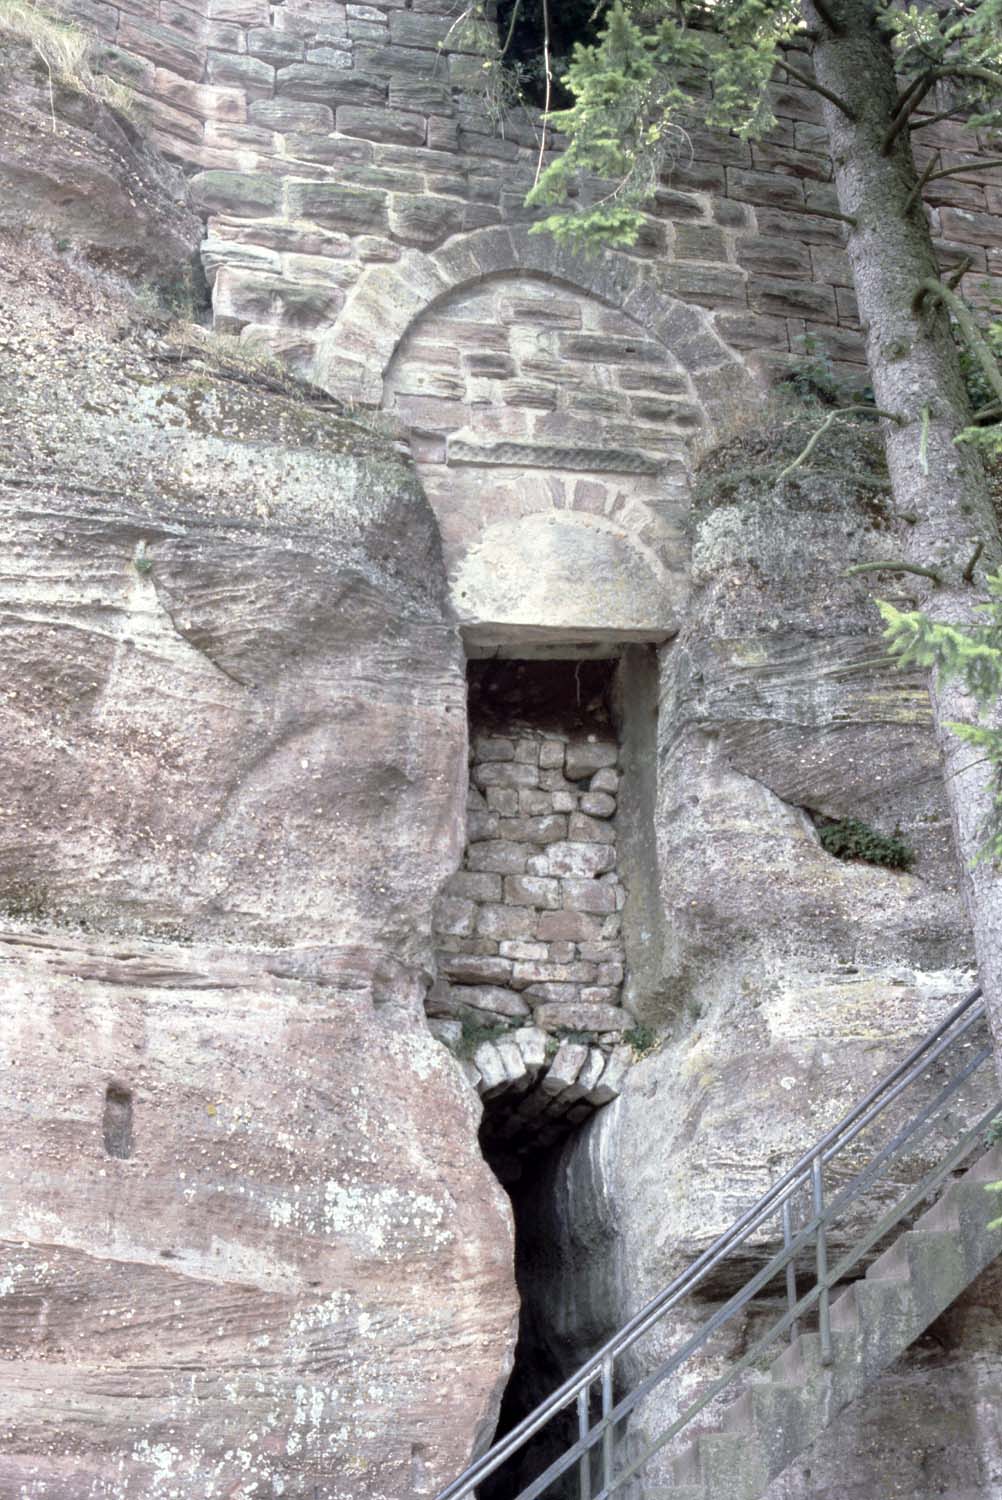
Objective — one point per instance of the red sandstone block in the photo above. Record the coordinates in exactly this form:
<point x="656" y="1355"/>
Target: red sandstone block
<point x="578" y="1016"/>
<point x="971" y="228"/>
<point x="569" y="926"/>
<point x="471" y="968"/>
<point x="506" y="922"/>
<point x="593" y="896"/>
<point x="533" y="890"/>
<point x="545" y="830"/>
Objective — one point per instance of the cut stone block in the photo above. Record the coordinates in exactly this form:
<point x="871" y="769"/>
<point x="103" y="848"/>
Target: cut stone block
<point x="454" y="915"/>
<point x="528" y="972"/>
<point x="491" y="999"/>
<point x="475" y="885"/>
<point x="504" y="800"/>
<point x="611" y="1082"/>
<point x="519" y="1076"/>
<point x="532" y="1045"/>
<point x="490" y="747"/>
<point x="592" y="1070"/>
<point x="599" y="994"/>
<point x="569" y="926"/>
<point x="594" y="896"/>
<point x="598" y="804"/>
<point x="551" y="992"/>
<point x="500" y="921"/>
<point x="502" y="858"/>
<point x="502" y="774"/>
<point x="524" y="952"/>
<point x="586" y="830"/>
<point x="585" y="757"/>
<point x="487" y="1061"/>
<point x="449" y="1033"/>
<point x="533" y="804"/>
<point x="534" y="890"/>
<point x="473" y="968"/>
<point x="545" y="830"/>
<point x="481" y="825"/>
<point x="563" y="1070"/>
<point x="575" y="860"/>
<point x="471" y="1073"/>
<point x="578" y="1017"/>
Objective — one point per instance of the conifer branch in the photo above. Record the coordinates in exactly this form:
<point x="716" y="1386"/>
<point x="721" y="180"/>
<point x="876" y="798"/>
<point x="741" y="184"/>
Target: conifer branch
<point x="917" y="90"/>
<point x="969" y="70"/>
<point x="965" y="322"/>
<point x="907" y="104"/>
<point x="958" y="273"/>
<point x="893" y="567"/>
<point x="840" y="411"/>
<point x="968" y="573"/>
<point x="943" y="114"/>
<point x="930" y="176"/>
<point x="818" y="88"/>
<point x="920" y="184"/>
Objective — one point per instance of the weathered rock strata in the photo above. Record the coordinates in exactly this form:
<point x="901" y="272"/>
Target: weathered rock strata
<point x="232" y="746"/>
<point x="789" y="980"/>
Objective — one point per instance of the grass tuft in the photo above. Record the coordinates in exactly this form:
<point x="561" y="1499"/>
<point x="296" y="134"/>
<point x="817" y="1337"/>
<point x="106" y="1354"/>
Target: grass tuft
<point x="64" y="50"/>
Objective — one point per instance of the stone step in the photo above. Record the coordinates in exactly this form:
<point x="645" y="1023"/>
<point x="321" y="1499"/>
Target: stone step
<point x="873" y="1321"/>
<point x="724" y="1464"/>
<point x="674" y="1492"/>
<point x="782" y="1419"/>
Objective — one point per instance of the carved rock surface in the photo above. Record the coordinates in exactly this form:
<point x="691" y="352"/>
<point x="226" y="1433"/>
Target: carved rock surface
<point x="233" y="1162"/>
<point x="75" y="169"/>
<point x="784" y="981"/>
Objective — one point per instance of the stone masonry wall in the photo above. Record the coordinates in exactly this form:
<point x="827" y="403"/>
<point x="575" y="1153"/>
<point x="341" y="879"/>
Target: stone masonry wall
<point x="356" y="194"/>
<point x="505" y="389"/>
<point x="325" y="137"/>
<point x="531" y="957"/>
<point x="531" y="925"/>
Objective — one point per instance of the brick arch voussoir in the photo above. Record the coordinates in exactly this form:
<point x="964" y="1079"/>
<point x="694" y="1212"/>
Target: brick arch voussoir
<point x="354" y="355"/>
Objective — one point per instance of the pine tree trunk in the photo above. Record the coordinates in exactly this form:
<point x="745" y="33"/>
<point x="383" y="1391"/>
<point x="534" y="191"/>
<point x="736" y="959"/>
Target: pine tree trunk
<point x="913" y="365"/>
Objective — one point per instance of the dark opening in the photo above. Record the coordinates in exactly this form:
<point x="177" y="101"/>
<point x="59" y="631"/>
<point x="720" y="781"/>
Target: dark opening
<point x="118" y="1139"/>
<point x="570" y="21"/>
<point x="522" y="1140"/>
<point x="574" y="696"/>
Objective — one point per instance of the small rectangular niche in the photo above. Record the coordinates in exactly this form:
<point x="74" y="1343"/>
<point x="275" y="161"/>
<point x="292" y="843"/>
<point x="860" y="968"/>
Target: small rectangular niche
<point x="117" y="1122"/>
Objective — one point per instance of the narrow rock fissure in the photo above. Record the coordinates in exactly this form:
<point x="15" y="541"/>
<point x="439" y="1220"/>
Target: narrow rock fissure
<point x="536" y="1372"/>
<point x="531" y="957"/>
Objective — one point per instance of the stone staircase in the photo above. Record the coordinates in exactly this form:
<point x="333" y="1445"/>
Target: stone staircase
<point x="900" y="1264"/>
<point x="872" y="1323"/>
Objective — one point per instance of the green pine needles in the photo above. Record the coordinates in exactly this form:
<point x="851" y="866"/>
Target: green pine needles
<point x="850" y="838"/>
<point x="973" y="657"/>
<point x="634" y="90"/>
<point x="661" y="66"/>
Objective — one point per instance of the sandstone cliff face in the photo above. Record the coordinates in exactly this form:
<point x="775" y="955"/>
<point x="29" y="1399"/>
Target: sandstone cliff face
<point x="788" y="981"/>
<point x="232" y="746"/>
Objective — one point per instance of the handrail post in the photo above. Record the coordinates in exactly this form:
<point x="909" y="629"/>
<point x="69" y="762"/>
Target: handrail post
<point x="607" y="1434"/>
<point x="791" y="1270"/>
<point x="584" y="1423"/>
<point x="824" y="1308"/>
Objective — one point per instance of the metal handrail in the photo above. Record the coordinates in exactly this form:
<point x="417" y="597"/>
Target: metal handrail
<point x="807" y="1170"/>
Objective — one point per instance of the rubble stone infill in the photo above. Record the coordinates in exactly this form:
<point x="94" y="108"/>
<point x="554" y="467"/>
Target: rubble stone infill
<point x="529" y="932"/>
<point x="530" y="929"/>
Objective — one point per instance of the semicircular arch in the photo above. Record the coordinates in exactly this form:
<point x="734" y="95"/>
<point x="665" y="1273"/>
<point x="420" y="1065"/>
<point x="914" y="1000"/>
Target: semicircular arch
<point x="354" y="355"/>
